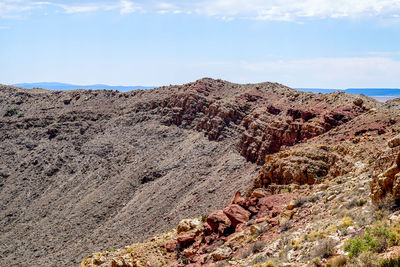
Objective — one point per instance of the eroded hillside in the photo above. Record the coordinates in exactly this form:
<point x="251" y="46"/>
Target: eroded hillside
<point x="85" y="171"/>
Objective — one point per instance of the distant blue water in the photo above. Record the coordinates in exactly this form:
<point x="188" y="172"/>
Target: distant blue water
<point x="380" y="94"/>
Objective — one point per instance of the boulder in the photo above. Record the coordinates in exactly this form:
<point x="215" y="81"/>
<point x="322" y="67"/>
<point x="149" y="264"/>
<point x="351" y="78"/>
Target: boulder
<point x="219" y="221"/>
<point x="358" y="102"/>
<point x="171" y="246"/>
<point x="238" y="199"/>
<point x="396" y="186"/>
<point x="118" y="262"/>
<point x="187" y="225"/>
<point x="221" y="253"/>
<point x="259" y="192"/>
<point x="237" y="214"/>
<point x="395" y="141"/>
<point x="186" y="240"/>
<point x="274" y="221"/>
<point x="387" y="182"/>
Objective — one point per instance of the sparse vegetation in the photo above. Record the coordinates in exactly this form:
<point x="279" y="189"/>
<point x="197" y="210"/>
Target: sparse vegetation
<point x="390" y="262"/>
<point x="245" y="253"/>
<point x="324" y="249"/>
<point x="337" y="261"/>
<point x="375" y="240"/>
<point x="387" y="203"/>
<point x="346" y="222"/>
<point x="258" y="246"/>
<point x="361" y="202"/>
<point x="11" y="112"/>
<point x="259" y="259"/>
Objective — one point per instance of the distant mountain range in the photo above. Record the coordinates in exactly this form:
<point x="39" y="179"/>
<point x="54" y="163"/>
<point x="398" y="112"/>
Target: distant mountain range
<point x="66" y="86"/>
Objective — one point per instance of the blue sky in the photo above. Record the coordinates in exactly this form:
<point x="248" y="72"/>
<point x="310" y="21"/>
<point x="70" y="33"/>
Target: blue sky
<point x="309" y="43"/>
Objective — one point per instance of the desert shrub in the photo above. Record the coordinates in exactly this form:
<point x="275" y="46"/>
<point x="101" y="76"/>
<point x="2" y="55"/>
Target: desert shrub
<point x="337" y="261"/>
<point x="324" y="249"/>
<point x="368" y="259"/>
<point x="284" y="226"/>
<point x="269" y="263"/>
<point x="361" y="202"/>
<point x="258" y="246"/>
<point x="390" y="262"/>
<point x="352" y="203"/>
<point x="386" y="203"/>
<point x="297" y="243"/>
<point x="300" y="201"/>
<point x="375" y="240"/>
<point x="316" y="261"/>
<point x="259" y="259"/>
<point x="347" y="221"/>
<point x="11" y="112"/>
<point x="245" y="253"/>
<point x="261" y="230"/>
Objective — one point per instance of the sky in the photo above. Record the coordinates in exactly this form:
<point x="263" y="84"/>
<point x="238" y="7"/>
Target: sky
<point x="308" y="43"/>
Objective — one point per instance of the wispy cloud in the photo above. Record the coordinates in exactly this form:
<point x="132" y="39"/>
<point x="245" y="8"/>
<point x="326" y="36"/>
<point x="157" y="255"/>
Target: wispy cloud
<point x="287" y="10"/>
<point x="13" y="8"/>
<point x="293" y="9"/>
<point x="16" y="8"/>
<point x="384" y="54"/>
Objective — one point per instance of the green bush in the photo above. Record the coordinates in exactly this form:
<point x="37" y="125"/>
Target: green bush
<point x="391" y="262"/>
<point x="377" y="240"/>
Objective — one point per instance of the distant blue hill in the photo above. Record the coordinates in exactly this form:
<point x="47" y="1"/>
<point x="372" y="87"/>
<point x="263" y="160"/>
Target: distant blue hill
<point x="66" y="86"/>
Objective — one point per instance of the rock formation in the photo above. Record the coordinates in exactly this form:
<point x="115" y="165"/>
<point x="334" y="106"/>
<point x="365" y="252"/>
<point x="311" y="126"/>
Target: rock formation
<point x="85" y="171"/>
<point x="388" y="182"/>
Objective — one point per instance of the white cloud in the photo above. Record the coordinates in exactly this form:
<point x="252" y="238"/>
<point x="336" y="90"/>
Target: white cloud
<point x="78" y="9"/>
<point x="287" y="10"/>
<point x="295" y="9"/>
<point x="124" y="7"/>
<point x="127" y="7"/>
<point x="14" y="8"/>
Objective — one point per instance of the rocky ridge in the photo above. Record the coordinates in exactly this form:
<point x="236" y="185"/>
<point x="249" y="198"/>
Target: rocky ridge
<point x="301" y="208"/>
<point x="96" y="167"/>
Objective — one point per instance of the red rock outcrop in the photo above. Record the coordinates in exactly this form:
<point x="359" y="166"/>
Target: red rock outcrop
<point x="237" y="214"/>
<point x="388" y="182"/>
<point x="267" y="116"/>
<point x="222" y="225"/>
<point x="307" y="164"/>
<point x="219" y="222"/>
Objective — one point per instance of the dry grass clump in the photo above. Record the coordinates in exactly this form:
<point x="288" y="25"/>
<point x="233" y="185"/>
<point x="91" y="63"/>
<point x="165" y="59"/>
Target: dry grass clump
<point x="337" y="261"/>
<point x="387" y="203"/>
<point x="258" y="246"/>
<point x="324" y="249"/>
